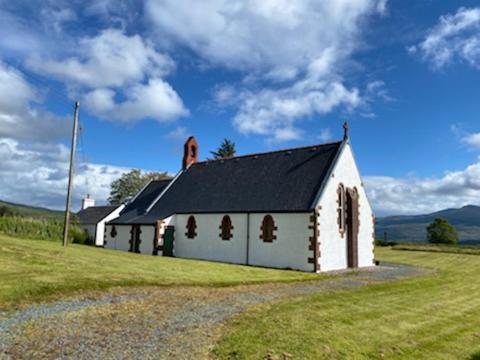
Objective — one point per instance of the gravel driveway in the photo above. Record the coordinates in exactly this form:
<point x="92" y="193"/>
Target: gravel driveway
<point x="174" y="323"/>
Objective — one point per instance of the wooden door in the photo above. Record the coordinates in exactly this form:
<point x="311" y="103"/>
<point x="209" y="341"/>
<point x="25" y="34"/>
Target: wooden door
<point x="352" y="228"/>
<point x="168" y="238"/>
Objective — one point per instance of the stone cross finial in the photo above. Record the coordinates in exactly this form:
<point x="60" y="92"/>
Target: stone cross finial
<point x="345" y="130"/>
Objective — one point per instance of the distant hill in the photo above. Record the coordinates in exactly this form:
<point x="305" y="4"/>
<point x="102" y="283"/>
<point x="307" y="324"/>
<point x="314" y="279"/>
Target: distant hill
<point x="413" y="228"/>
<point x="32" y="211"/>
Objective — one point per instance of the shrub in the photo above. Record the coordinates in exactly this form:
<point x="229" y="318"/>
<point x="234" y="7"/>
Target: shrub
<point x="6" y="211"/>
<point x="79" y="236"/>
<point x="43" y="229"/>
<point x="442" y="232"/>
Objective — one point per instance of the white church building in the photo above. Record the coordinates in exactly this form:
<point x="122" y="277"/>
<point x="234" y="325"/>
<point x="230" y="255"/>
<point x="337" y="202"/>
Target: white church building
<point x="303" y="208"/>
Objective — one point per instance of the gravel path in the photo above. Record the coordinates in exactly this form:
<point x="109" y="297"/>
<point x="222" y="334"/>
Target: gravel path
<point x="174" y="323"/>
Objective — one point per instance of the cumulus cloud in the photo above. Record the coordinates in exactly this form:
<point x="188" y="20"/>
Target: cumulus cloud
<point x="33" y="166"/>
<point x="112" y="65"/>
<point x="291" y="53"/>
<point x="18" y="119"/>
<point x="473" y="140"/>
<point x="411" y="195"/>
<point x="37" y="174"/>
<point x="110" y="59"/>
<point x="156" y="100"/>
<point x="455" y="37"/>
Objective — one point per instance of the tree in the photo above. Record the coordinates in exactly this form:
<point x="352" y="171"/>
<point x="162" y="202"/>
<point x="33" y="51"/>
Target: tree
<point x="225" y="151"/>
<point x="442" y="232"/>
<point x="6" y="211"/>
<point x="129" y="184"/>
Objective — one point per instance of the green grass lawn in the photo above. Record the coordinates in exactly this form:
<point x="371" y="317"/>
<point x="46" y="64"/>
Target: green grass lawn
<point x="32" y="270"/>
<point x="432" y="317"/>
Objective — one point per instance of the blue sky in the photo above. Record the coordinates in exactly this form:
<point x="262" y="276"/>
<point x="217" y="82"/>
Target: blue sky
<point x="270" y="75"/>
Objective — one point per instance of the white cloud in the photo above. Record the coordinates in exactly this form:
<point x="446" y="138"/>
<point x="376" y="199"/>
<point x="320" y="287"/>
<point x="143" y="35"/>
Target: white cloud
<point x="156" y="100"/>
<point x="472" y="140"/>
<point x="274" y="112"/>
<point x="292" y="54"/>
<point x="37" y="174"/>
<point x="412" y="195"/>
<point x="325" y="135"/>
<point x="110" y="59"/>
<point x="18" y="119"/>
<point x="112" y="65"/>
<point x="455" y="37"/>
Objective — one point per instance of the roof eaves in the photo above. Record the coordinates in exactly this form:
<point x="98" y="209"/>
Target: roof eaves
<point x="166" y="189"/>
<point x="114" y="209"/>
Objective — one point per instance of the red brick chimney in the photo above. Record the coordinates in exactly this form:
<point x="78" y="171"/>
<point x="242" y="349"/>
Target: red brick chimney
<point x="190" y="152"/>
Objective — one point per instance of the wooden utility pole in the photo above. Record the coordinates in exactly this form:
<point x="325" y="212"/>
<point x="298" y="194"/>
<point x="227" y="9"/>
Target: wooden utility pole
<point x="70" y="173"/>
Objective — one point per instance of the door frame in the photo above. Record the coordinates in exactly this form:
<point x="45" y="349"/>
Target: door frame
<point x="164" y="248"/>
<point x="353" y="225"/>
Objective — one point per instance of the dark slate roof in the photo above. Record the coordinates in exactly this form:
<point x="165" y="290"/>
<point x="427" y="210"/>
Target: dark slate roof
<point x="279" y="181"/>
<point x="140" y="204"/>
<point x="94" y="214"/>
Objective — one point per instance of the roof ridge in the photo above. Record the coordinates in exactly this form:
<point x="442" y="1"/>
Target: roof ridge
<point x="268" y="152"/>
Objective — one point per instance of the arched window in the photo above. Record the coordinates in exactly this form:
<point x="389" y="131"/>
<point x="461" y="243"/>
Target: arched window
<point x="268" y="229"/>
<point x="226" y="228"/>
<point x="113" y="232"/>
<point x="191" y="228"/>
<point x="341" y="209"/>
<point x="193" y="151"/>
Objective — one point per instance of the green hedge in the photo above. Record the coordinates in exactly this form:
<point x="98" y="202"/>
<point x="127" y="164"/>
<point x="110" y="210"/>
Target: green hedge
<point x="41" y="229"/>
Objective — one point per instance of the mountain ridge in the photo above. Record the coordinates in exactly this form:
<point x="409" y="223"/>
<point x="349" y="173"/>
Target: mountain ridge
<point x="31" y="211"/>
<point x="412" y="228"/>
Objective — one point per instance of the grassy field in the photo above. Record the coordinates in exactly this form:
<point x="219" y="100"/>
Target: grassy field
<point x="454" y="249"/>
<point x="32" y="270"/>
<point x="432" y="317"/>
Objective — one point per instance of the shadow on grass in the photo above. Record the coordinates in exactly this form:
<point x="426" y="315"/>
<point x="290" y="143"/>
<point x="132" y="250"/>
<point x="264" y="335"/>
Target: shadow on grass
<point x="475" y="356"/>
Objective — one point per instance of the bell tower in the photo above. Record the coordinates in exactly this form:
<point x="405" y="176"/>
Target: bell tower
<point x="190" y="152"/>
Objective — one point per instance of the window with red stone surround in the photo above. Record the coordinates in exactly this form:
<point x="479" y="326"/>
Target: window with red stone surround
<point x="191" y="227"/>
<point x="226" y="228"/>
<point x="268" y="229"/>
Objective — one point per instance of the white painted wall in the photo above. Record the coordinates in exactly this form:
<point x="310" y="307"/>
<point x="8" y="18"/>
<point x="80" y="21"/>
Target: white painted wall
<point x="119" y="242"/>
<point x="147" y="237"/>
<point x="208" y="244"/>
<point x="290" y="249"/>
<point x="100" y="231"/>
<point x="333" y="247"/>
<point x="122" y="240"/>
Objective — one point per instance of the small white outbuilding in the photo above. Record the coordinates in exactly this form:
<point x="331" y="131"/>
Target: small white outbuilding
<point x="304" y="208"/>
<point x="92" y="219"/>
